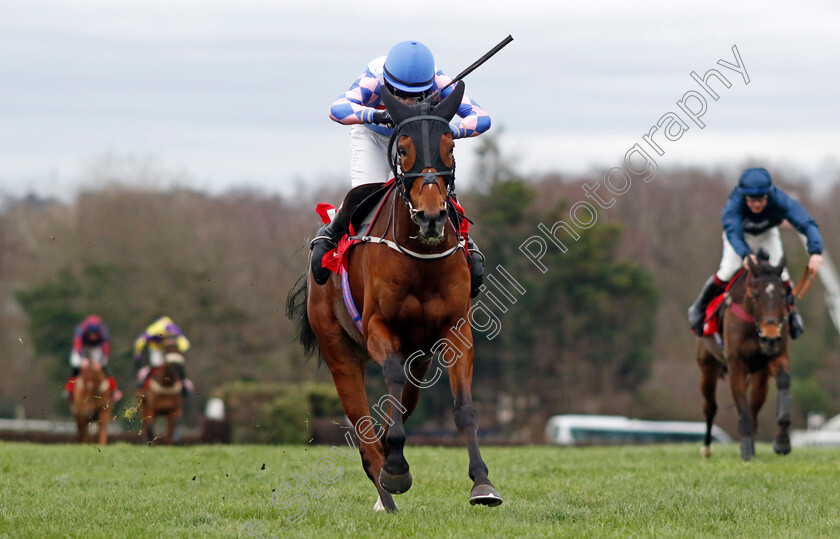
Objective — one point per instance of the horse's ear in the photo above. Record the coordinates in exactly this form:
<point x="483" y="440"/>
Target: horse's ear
<point x="447" y="108"/>
<point x="781" y="266"/>
<point x="755" y="269"/>
<point x="397" y="110"/>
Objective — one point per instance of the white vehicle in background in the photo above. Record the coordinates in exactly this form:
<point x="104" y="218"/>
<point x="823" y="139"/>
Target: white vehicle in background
<point x="578" y="430"/>
<point x="820" y="433"/>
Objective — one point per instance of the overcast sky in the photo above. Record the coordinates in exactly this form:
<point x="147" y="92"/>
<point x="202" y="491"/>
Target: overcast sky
<point x="228" y="94"/>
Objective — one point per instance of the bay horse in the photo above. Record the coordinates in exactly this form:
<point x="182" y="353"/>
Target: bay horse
<point x="755" y="348"/>
<point x="412" y="282"/>
<point x="162" y="395"/>
<point x="91" y="401"/>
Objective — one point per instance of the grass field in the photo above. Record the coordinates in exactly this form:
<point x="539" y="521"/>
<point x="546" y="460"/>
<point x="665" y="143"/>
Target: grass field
<point x="216" y="491"/>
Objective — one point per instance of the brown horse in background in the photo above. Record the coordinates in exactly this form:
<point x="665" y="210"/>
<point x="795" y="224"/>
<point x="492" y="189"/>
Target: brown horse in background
<point x="412" y="284"/>
<point x="162" y="395"/>
<point x="91" y="401"/>
<point x="755" y="340"/>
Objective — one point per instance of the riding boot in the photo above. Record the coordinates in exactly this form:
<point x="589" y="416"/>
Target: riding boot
<point x="328" y="236"/>
<point x="796" y="326"/>
<point x="325" y="239"/>
<point x="476" y="259"/>
<point x="116" y="394"/>
<point x="697" y="311"/>
<point x="68" y="388"/>
<point x="187" y="385"/>
<point x="476" y="267"/>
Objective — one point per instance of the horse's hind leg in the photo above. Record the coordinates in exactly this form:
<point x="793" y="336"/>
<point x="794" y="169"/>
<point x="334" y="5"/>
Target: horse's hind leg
<point x="710" y="371"/>
<point x="466" y="419"/>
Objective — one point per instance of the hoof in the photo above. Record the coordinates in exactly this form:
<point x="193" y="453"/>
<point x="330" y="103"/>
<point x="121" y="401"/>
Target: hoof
<point x="747" y="450"/>
<point x="781" y="445"/>
<point x="378" y="505"/>
<point x="485" y="495"/>
<point x="395" y="484"/>
<point x="706" y="451"/>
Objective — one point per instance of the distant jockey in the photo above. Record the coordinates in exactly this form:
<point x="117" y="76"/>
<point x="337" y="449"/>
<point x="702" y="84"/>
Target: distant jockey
<point x="151" y="346"/>
<point x="92" y="341"/>
<point x="409" y="72"/>
<point x="751" y="219"/>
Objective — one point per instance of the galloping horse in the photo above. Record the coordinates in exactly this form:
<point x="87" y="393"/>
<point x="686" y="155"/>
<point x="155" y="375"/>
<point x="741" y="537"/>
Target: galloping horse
<point x="162" y="395"/>
<point x="92" y="401"/>
<point x="412" y="282"/>
<point x="755" y="348"/>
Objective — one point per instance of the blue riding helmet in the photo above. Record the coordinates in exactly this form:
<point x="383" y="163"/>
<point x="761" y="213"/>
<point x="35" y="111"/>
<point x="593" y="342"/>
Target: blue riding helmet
<point x="410" y="67"/>
<point x="755" y="182"/>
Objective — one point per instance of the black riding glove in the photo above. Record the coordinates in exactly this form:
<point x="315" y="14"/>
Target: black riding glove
<point x="381" y="117"/>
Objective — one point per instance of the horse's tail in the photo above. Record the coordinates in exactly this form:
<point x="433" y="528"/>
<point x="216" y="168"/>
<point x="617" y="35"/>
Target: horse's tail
<point x="296" y="310"/>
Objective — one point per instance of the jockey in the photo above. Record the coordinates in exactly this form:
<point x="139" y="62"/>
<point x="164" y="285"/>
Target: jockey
<point x="410" y="74"/>
<point x="92" y="341"/>
<point x="152" y="345"/>
<point x="751" y="219"/>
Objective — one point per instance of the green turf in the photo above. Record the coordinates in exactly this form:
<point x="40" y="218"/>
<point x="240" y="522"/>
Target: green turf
<point x="215" y="491"/>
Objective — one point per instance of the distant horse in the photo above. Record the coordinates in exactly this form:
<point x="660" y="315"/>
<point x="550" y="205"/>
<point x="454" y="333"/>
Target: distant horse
<point x="755" y="348"/>
<point x="162" y="395"/>
<point x="91" y="401"/>
<point x="412" y="283"/>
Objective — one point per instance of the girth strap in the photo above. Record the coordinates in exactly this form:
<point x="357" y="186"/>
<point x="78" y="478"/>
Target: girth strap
<point x="399" y="248"/>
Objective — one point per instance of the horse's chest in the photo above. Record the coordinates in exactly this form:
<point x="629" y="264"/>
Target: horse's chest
<point x="422" y="313"/>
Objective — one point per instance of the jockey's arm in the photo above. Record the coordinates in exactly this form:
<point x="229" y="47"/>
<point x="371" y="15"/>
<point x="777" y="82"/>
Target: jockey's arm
<point x="358" y="104"/>
<point x="730" y="218"/>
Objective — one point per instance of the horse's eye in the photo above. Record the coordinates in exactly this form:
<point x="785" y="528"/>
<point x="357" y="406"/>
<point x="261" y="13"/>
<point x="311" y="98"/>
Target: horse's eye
<point x="402" y="152"/>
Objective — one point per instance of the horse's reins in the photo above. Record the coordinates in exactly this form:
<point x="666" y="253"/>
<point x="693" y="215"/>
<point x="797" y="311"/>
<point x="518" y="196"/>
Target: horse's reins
<point x="399" y="248"/>
<point x="804" y="283"/>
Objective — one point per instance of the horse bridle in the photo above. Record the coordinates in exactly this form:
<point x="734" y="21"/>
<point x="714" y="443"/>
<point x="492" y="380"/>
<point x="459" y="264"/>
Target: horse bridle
<point x="430" y="158"/>
<point x="746" y="317"/>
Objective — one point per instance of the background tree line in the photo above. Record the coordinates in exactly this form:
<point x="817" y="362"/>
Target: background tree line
<point x="603" y="331"/>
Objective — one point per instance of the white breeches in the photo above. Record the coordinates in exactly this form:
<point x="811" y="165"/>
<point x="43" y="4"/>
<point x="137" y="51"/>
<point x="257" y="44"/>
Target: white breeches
<point x="368" y="156"/>
<point x="93" y="353"/>
<point x="770" y="241"/>
<point x="156" y="357"/>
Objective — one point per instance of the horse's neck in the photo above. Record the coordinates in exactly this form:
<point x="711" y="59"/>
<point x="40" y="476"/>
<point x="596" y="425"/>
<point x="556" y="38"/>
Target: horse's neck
<point x="91" y="373"/>
<point x="738" y="293"/>
<point x="170" y="371"/>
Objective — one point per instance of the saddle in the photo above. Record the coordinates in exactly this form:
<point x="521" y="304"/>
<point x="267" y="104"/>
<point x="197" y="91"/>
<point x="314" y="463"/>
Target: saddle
<point x="362" y="218"/>
<point x="713" y="324"/>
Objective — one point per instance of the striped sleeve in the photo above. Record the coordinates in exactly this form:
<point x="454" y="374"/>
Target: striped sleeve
<point x="474" y="119"/>
<point x="358" y="103"/>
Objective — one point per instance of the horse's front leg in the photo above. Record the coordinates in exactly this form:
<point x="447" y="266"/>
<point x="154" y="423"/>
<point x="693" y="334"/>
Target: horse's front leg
<point x="81" y="427"/>
<point x="147" y="419"/>
<point x="738" y="386"/>
<point x="759" y="383"/>
<point x="395" y="477"/>
<point x="104" y="418"/>
<point x="172" y="420"/>
<point x="781" y="445"/>
<point x="383" y="346"/>
<point x="466" y="419"/>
